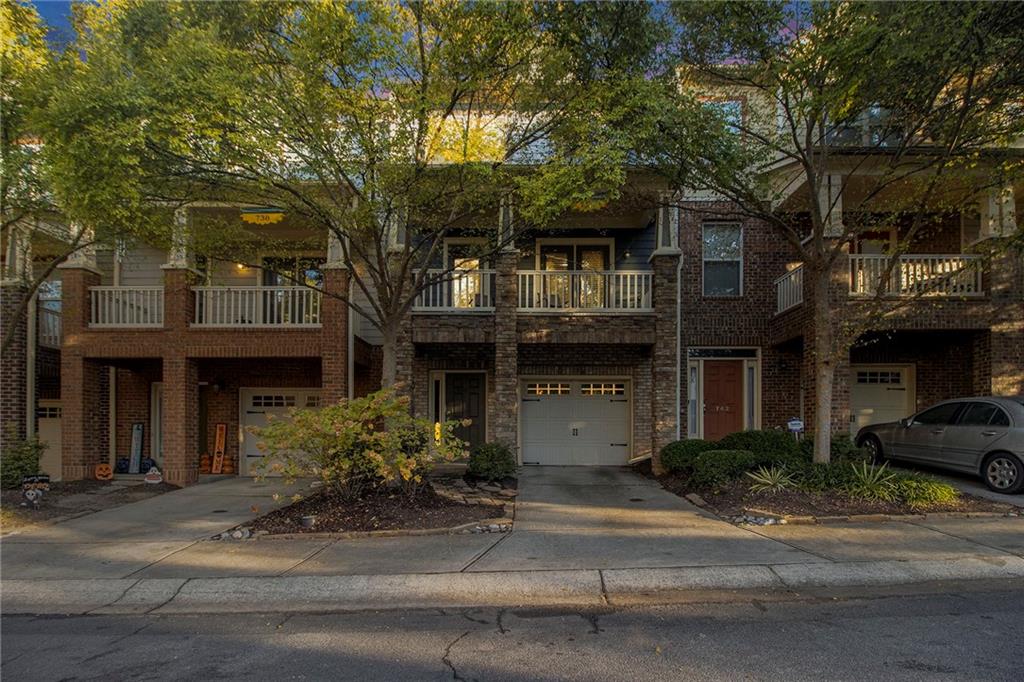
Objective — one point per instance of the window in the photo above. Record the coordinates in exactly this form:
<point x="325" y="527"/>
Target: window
<point x="603" y="389"/>
<point x="313" y="401"/>
<point x="880" y="377"/>
<point x="547" y="389"/>
<point x="942" y="414"/>
<point x="273" y="401"/>
<point x="723" y="259"/>
<point x="729" y="110"/>
<point x="289" y="271"/>
<point x="984" y="414"/>
<point x="48" y="412"/>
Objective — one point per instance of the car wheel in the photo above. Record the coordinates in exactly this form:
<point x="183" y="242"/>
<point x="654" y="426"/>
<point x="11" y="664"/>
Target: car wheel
<point x="873" y="446"/>
<point x="1003" y="473"/>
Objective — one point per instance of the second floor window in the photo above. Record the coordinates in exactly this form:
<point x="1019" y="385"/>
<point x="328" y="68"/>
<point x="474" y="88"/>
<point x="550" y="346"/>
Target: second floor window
<point x="723" y="259"/>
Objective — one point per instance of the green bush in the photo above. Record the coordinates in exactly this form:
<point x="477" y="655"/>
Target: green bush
<point x="357" y="445"/>
<point x="492" y="461"/>
<point x="842" y="449"/>
<point x="713" y="468"/>
<point x="770" y="480"/>
<point x="821" y="477"/>
<point x="20" y="458"/>
<point x="678" y="457"/>
<point x="771" y="447"/>
<point x="869" y="482"/>
<point x="921" y="492"/>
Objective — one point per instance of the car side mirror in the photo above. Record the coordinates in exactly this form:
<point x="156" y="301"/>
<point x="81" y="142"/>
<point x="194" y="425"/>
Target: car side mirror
<point x="906" y="422"/>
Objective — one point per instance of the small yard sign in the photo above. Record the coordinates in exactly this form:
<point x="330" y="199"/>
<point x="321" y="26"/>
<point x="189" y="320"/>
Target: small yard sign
<point x="795" y="425"/>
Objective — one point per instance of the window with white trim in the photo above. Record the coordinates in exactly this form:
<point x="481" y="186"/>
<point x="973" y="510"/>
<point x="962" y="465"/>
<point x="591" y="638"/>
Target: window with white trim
<point x="312" y="401"/>
<point x="547" y="389"/>
<point x="50" y="412"/>
<point x="273" y="401"/>
<point x="723" y="259"/>
<point x="879" y="377"/>
<point x="603" y="389"/>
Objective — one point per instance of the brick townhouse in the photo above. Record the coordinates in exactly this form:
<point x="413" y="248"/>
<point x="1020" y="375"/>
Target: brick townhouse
<point x="596" y="340"/>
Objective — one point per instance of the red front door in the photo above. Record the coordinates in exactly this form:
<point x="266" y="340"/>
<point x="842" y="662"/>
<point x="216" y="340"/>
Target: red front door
<point x="723" y="398"/>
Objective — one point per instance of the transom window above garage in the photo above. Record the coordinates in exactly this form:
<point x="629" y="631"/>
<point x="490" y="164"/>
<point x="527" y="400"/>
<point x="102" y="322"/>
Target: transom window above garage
<point x="50" y="412"/>
<point x="879" y="377"/>
<point x="603" y="389"/>
<point x="547" y="388"/>
<point x="273" y="401"/>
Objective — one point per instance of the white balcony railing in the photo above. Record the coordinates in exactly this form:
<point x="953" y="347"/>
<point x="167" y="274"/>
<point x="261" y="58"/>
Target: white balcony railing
<point x="789" y="290"/>
<point x="458" y="290"/>
<point x="585" y="291"/>
<point x="257" y="306"/>
<point x="917" y="275"/>
<point x="49" y="327"/>
<point x="126" y="306"/>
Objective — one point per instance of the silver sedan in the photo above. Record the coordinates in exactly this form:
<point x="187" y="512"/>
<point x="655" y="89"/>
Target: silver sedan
<point x="982" y="436"/>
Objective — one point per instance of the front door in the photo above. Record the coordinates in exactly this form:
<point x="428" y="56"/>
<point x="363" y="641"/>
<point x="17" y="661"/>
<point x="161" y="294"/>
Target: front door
<point x="723" y="398"/>
<point x="464" y="398"/>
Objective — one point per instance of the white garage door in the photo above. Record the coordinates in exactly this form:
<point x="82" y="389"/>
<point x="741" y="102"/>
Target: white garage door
<point x="260" y="403"/>
<point x="880" y="393"/>
<point x="575" y="423"/>
<point x="48" y="416"/>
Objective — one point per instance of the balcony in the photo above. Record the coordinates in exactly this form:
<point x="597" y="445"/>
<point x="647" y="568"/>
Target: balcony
<point x="956" y="275"/>
<point x="257" y="306"/>
<point x="49" y="321"/>
<point x="585" y="291"/>
<point x="126" y="307"/>
<point x="457" y="291"/>
<point x="789" y="290"/>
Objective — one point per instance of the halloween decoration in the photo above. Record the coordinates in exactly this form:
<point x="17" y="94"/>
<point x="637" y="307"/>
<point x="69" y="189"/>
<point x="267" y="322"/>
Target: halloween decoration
<point x="103" y="472"/>
<point x="153" y="476"/>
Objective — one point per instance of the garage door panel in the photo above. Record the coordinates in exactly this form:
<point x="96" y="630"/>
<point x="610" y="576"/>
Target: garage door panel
<point x="879" y="394"/>
<point x="258" y="406"/>
<point x="582" y="424"/>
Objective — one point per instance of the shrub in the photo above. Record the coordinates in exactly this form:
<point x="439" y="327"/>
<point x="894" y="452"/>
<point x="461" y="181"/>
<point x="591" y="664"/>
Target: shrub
<point x="770" y="480"/>
<point x="357" y="444"/>
<point x="871" y="482"/>
<point x="713" y="468"/>
<point x="492" y="461"/>
<point x="678" y="457"/>
<point x="921" y="492"/>
<point x="20" y="458"/>
<point x="771" y="447"/>
<point x="843" y="449"/>
<point x="820" y="477"/>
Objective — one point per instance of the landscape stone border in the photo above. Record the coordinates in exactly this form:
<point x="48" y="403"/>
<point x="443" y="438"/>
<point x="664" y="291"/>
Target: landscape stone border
<point x="761" y="517"/>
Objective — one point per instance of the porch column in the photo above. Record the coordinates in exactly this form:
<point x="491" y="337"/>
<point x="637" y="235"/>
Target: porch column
<point x="1006" y="336"/>
<point x="504" y="414"/>
<point x="179" y="301"/>
<point x="666" y="375"/>
<point x="334" y="327"/>
<point x="180" y="420"/>
<point x="84" y="423"/>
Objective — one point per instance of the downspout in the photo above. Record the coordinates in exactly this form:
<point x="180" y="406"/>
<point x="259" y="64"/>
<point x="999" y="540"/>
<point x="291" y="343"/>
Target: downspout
<point x="679" y="345"/>
<point x="31" y="341"/>
<point x="351" y="360"/>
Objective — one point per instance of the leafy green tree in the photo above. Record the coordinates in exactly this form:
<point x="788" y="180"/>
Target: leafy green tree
<point x="386" y="125"/>
<point x="904" y="110"/>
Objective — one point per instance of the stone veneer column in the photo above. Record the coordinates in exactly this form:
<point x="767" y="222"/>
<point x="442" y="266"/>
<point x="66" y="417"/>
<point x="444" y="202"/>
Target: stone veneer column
<point x="334" y="333"/>
<point x="504" y="413"/>
<point x="180" y="420"/>
<point x="664" y="372"/>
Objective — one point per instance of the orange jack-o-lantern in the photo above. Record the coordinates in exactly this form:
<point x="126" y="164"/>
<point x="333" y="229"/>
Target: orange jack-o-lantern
<point x="103" y="472"/>
<point x="204" y="464"/>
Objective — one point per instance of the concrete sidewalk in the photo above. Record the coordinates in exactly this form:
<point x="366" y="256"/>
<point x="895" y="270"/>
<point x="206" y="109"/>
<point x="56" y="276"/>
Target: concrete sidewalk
<point x="580" y="534"/>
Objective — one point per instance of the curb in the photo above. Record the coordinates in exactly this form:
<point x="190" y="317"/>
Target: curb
<point x="585" y="587"/>
<point x="792" y="519"/>
<point x="398" y="532"/>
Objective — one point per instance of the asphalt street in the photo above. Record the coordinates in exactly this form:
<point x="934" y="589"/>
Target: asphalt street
<point x="967" y="631"/>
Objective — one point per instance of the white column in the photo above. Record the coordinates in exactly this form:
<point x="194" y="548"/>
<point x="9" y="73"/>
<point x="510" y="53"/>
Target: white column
<point x="84" y="257"/>
<point x="506" y="224"/>
<point x="830" y="204"/>
<point x="18" y="260"/>
<point x="180" y="256"/>
<point x="668" y="225"/>
<point x="998" y="213"/>
<point x="335" y="251"/>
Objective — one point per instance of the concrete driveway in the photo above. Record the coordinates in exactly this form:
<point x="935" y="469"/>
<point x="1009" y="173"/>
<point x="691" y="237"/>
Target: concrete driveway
<point x="610" y="517"/>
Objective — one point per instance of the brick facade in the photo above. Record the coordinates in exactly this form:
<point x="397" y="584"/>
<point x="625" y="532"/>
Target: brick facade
<point x="13" y="364"/>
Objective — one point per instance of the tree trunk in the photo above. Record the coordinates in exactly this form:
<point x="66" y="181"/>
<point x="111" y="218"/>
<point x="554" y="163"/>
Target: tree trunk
<point x="389" y="357"/>
<point x="824" y="368"/>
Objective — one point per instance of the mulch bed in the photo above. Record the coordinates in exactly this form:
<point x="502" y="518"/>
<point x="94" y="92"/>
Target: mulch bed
<point x="375" y="510"/>
<point x="73" y="498"/>
<point x="732" y="499"/>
